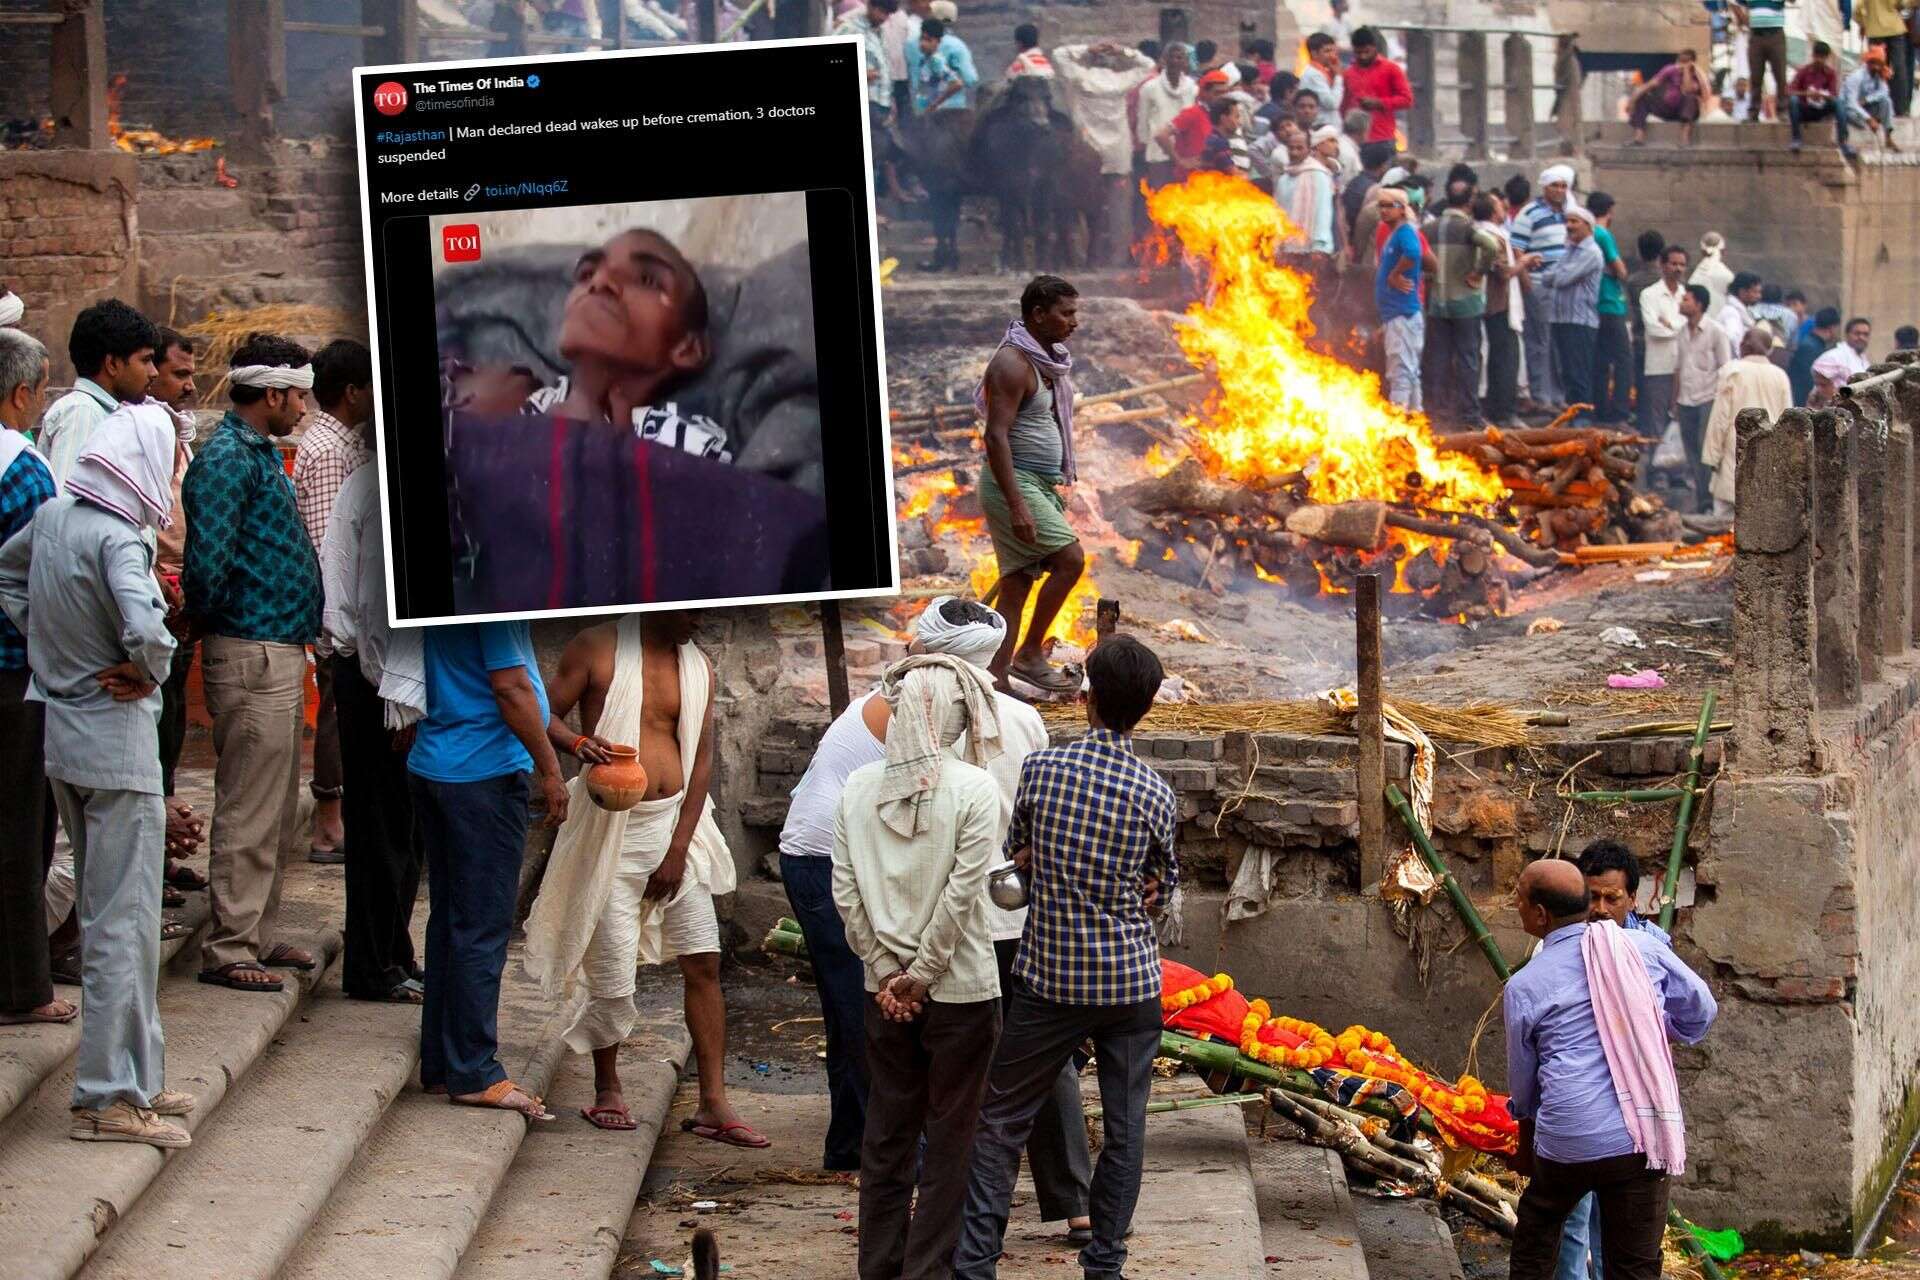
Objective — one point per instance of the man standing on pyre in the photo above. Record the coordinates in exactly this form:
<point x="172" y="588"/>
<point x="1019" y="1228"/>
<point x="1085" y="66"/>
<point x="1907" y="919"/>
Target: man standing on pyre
<point x="1026" y="398"/>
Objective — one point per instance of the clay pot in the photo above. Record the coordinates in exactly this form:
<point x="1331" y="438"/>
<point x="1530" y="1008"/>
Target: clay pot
<point x="619" y="784"/>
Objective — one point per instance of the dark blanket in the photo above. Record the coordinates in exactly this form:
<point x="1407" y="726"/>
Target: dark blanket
<point x="762" y="385"/>
<point x="565" y="515"/>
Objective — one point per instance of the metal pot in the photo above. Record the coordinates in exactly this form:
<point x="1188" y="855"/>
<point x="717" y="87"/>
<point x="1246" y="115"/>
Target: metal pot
<point x="1007" y="887"/>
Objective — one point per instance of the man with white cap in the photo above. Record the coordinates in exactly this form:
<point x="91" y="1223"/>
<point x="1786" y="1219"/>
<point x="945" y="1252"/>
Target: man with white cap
<point x="252" y="588"/>
<point x="79" y="582"/>
<point x="1569" y="294"/>
<point x="1540" y="230"/>
<point x="964" y="629"/>
<point x="12" y="308"/>
<point x="1304" y="192"/>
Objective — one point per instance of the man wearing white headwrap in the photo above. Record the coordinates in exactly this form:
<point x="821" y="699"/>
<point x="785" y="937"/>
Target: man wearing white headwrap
<point x="79" y="582"/>
<point x="1569" y="294"/>
<point x="915" y="836"/>
<point x="1540" y="228"/>
<point x="972" y="632"/>
<point x="252" y="588"/>
<point x="11" y="309"/>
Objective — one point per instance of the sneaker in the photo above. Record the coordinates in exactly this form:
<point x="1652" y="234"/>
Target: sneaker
<point x="124" y="1122"/>
<point x="171" y="1102"/>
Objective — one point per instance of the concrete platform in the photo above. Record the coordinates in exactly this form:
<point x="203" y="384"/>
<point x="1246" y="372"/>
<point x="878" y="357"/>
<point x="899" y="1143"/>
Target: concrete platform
<point x="1307" y="1225"/>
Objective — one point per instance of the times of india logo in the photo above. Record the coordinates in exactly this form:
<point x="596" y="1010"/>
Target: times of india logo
<point x="390" y="98"/>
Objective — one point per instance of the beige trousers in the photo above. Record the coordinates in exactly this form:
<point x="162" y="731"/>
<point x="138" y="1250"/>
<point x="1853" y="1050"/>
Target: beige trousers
<point x="254" y="694"/>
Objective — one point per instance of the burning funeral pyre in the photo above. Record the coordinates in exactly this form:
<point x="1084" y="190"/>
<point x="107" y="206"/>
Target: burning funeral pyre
<point x="1294" y="468"/>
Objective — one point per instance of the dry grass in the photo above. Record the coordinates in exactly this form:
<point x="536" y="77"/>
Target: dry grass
<point x="1485" y="724"/>
<point x="223" y="331"/>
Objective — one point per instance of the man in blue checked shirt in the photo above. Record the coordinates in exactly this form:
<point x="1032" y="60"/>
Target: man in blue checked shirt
<point x="1094" y="828"/>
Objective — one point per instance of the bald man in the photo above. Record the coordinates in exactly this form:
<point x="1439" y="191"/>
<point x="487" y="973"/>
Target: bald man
<point x="1573" y="1139"/>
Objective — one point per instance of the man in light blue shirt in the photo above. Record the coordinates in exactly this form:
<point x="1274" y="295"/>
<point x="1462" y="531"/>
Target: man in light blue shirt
<point x="1573" y="1139"/>
<point x="1865" y="98"/>
<point x="112" y="348"/>
<point x="944" y="77"/>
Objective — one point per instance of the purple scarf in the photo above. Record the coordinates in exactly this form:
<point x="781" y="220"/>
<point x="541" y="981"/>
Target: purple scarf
<point x="1056" y="369"/>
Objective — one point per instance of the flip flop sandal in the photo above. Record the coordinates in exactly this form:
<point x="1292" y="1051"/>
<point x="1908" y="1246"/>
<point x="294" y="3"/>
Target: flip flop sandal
<point x="1045" y="676"/>
<point x="495" y="1096"/>
<point x="622" y="1124"/>
<point x="327" y="857"/>
<point x="171" y="929"/>
<point x="283" y="957"/>
<point x="732" y="1135"/>
<point x="223" y="977"/>
<point x="185" y="877"/>
<point x="34" y="1016"/>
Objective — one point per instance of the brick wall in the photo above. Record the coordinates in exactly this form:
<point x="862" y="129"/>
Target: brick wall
<point x="68" y="224"/>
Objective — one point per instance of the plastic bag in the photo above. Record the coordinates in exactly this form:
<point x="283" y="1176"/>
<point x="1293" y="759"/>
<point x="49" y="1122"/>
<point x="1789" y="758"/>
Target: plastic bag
<point x="1672" y="450"/>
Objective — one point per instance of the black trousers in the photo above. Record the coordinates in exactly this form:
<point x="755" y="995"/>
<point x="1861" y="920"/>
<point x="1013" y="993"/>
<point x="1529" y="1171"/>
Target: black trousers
<point x="26" y="848"/>
<point x="384" y="850"/>
<point x="1057" y="1152"/>
<point x="1693" y="435"/>
<point x="1633" y="1216"/>
<point x="1503" y="368"/>
<point x="1613" y="371"/>
<point x="1452" y="365"/>
<point x="928" y="1076"/>
<point x="1039" y="1038"/>
<point x="1573" y="348"/>
<point x="1801" y="114"/>
<point x="1899" y="59"/>
<point x="173" y="713"/>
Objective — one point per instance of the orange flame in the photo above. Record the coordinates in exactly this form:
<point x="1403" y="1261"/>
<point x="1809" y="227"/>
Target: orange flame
<point x="1283" y="406"/>
<point x="146" y="142"/>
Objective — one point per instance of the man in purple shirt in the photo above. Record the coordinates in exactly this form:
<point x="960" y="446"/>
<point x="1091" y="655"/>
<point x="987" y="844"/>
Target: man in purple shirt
<point x="1573" y="1139"/>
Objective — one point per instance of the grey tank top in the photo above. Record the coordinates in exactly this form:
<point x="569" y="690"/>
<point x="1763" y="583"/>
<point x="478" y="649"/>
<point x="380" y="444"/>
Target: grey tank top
<point x="1035" y="435"/>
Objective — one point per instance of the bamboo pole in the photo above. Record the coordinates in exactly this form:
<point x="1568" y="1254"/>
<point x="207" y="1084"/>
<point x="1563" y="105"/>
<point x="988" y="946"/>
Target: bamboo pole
<point x="1166" y="1105"/>
<point x="1657" y="729"/>
<point x="1692" y="1247"/>
<point x="1461" y="903"/>
<point x="1212" y="1056"/>
<point x="1683" y="826"/>
<point x="1655" y="795"/>
<point x="1370" y="769"/>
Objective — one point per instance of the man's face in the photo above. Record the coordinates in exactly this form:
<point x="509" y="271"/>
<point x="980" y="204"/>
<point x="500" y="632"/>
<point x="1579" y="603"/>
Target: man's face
<point x="1328" y="59"/>
<point x="1232" y="119"/>
<point x="1306" y="109"/>
<point x="1392" y="212"/>
<point x="1610" y="899"/>
<point x="1578" y="230"/>
<point x="928" y="45"/>
<point x="675" y="624"/>
<point x="28" y="401"/>
<point x="1175" y="61"/>
<point x="173" y="379"/>
<point x="1328" y="149"/>
<point x="1057" y="322"/>
<point x="628" y="306"/>
<point x="876" y="16"/>
<point x="128" y="377"/>
<point x="1555" y="193"/>
<point x="1799" y="308"/>
<point x="1211" y="90"/>
<point x="1296" y="146"/>
<point x="1690" y="306"/>
<point x="1858" y="336"/>
<point x="284" y="407"/>
<point x="1365" y="54"/>
<point x="1750" y="296"/>
<point x="1673" y="268"/>
<point x="356" y="406"/>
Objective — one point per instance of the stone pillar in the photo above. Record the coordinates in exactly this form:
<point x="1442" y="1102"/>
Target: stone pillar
<point x="1906" y="396"/>
<point x="1420" y="71"/>
<point x="1836" y="566"/>
<point x="1896" y="560"/>
<point x="257" y="68"/>
<point x="77" y="88"/>
<point x="1870" y="475"/>
<point x="1567" y="79"/>
<point x="400" y="19"/>
<point x="1516" y="53"/>
<point x="1773" y="642"/>
<point x="1472" y="67"/>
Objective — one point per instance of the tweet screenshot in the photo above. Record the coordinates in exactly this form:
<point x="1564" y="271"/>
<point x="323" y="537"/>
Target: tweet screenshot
<point x="626" y="330"/>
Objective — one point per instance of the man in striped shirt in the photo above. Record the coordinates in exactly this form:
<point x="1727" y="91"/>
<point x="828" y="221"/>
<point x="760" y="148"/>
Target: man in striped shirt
<point x="1540" y="229"/>
<point x="1094" y="828"/>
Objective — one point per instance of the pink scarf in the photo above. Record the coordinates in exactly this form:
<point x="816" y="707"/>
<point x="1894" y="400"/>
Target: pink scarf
<point x="1633" y="1032"/>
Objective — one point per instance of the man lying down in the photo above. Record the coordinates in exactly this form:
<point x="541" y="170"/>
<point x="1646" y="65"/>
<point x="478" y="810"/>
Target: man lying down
<point x="634" y="328"/>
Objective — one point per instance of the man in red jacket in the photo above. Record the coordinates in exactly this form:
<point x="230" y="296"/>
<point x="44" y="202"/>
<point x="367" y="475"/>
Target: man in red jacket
<point x="1376" y="85"/>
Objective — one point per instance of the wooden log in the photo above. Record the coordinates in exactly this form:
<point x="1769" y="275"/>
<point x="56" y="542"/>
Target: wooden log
<point x="1188" y="488"/>
<point x="1343" y="524"/>
<point x="1370" y="776"/>
<point x="1459" y="440"/>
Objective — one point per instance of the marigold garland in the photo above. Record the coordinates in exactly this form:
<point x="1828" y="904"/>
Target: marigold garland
<point x="1200" y="992"/>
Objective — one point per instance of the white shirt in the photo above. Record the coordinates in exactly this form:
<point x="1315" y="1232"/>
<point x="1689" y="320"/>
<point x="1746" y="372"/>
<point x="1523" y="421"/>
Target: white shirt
<point x="1660" y="317"/>
<point x="900" y="28"/>
<point x="1158" y="104"/>
<point x="1736" y="320"/>
<point x="1840" y="363"/>
<point x="1096" y="99"/>
<point x="848" y="745"/>
<point x="919" y="902"/>
<point x="353" y="575"/>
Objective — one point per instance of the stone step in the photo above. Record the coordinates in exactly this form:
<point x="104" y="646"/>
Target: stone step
<point x="572" y="1187"/>
<point x="1198" y="1212"/>
<point x="234" y="1204"/>
<point x="58" y="1197"/>
<point x="1307" y="1219"/>
<point x="29" y="1054"/>
<point x="1406" y="1239"/>
<point x="191" y="209"/>
<point x="422" y="1181"/>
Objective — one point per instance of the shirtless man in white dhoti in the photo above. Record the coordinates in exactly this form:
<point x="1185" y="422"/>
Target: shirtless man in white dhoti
<point x="637" y="887"/>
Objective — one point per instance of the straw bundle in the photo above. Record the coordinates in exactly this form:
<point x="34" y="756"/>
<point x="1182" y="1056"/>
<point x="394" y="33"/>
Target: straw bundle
<point x="1485" y="724"/>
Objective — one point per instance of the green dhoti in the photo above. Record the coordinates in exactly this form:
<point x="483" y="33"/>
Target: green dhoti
<point x="1049" y="511"/>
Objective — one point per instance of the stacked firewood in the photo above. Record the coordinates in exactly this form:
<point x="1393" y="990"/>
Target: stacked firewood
<point x="1571" y="483"/>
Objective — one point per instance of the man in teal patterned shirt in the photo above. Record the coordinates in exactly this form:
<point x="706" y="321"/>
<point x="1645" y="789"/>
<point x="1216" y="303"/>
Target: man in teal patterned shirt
<point x="252" y="587"/>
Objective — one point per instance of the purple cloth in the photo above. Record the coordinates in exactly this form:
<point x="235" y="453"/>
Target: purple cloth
<point x="1055" y="366"/>
<point x="1556" y="1066"/>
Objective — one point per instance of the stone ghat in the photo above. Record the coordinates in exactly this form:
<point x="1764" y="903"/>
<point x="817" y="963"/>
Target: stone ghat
<point x="1493" y="808"/>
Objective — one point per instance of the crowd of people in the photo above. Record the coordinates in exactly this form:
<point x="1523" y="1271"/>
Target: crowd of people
<point x="1862" y="99"/>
